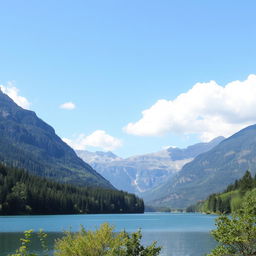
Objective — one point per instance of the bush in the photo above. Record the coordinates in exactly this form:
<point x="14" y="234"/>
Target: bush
<point x="104" y="241"/>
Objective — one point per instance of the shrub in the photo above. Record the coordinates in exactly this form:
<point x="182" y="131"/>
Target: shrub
<point x="101" y="242"/>
<point x="104" y="241"/>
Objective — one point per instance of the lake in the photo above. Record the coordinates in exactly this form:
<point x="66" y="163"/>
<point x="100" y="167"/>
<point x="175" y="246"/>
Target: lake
<point x="180" y="234"/>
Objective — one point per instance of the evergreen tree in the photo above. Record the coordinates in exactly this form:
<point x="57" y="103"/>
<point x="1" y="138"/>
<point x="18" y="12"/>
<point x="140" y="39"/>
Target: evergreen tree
<point x="23" y="193"/>
<point x="247" y="182"/>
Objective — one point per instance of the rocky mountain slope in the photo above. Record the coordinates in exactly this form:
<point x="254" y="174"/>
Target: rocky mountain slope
<point x="142" y="173"/>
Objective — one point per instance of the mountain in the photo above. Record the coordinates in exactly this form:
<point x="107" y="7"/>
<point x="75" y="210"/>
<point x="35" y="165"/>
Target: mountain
<point x="28" y="142"/>
<point x="209" y="172"/>
<point x="135" y="174"/>
<point x="141" y="173"/>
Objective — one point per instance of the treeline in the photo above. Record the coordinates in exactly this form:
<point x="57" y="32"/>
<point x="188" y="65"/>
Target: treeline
<point x="229" y="200"/>
<point x="23" y="193"/>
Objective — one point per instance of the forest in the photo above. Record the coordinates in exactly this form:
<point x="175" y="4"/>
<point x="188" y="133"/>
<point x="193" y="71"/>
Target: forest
<point x="230" y="199"/>
<point x="23" y="193"/>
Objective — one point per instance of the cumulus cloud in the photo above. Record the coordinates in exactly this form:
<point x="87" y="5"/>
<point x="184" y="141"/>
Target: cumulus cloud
<point x="207" y="109"/>
<point x="13" y="93"/>
<point x="98" y="139"/>
<point x="68" y="106"/>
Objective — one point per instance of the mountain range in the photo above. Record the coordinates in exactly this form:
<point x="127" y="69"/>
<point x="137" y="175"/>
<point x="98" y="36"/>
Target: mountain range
<point x="172" y="177"/>
<point x="28" y="142"/>
<point x="138" y="174"/>
<point x="209" y="172"/>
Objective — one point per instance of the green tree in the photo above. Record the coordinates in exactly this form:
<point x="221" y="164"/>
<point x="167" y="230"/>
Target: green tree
<point x="133" y="246"/>
<point x="237" y="234"/>
<point x="212" y="203"/>
<point x="23" y="193"/>
<point x="247" y="182"/>
<point x="104" y="242"/>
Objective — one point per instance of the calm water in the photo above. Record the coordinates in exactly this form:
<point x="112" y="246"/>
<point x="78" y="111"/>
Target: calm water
<point x="179" y="234"/>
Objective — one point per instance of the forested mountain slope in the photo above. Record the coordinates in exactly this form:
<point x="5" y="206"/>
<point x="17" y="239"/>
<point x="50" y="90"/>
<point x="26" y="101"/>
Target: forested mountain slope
<point x="23" y="193"/>
<point x="230" y="200"/>
<point x="209" y="172"/>
<point x="28" y="142"/>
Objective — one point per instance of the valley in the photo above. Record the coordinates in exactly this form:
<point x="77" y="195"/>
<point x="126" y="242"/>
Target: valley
<point x="127" y="128"/>
<point x="143" y="173"/>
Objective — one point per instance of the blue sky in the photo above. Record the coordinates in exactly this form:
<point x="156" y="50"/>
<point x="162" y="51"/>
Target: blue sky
<point x="114" y="59"/>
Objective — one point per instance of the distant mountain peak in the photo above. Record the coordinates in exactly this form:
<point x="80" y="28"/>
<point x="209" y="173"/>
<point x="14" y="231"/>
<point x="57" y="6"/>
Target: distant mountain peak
<point x="98" y="156"/>
<point x="141" y="173"/>
<point x="193" y="150"/>
<point x="107" y="153"/>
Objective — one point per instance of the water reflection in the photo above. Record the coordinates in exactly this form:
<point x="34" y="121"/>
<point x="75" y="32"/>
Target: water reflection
<point x="182" y="243"/>
<point x="9" y="242"/>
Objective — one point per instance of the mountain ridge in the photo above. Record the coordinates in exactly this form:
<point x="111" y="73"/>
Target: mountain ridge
<point x="209" y="172"/>
<point x="30" y="143"/>
<point x="140" y="173"/>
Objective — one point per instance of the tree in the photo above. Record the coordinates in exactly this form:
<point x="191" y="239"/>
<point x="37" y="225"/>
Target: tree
<point x="237" y="234"/>
<point x="212" y="203"/>
<point x="247" y="182"/>
<point x="104" y="242"/>
<point x="23" y="193"/>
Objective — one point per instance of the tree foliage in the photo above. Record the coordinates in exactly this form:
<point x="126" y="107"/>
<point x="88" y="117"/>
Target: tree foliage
<point x="23" y="193"/>
<point x="104" y="242"/>
<point x="237" y="234"/>
<point x="101" y="242"/>
<point x="228" y="201"/>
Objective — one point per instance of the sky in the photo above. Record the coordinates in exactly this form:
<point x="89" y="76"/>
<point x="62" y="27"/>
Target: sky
<point x="132" y="76"/>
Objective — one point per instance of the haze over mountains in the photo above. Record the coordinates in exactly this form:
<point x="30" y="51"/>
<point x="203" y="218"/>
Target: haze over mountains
<point x="138" y="174"/>
<point x="209" y="172"/>
<point x="28" y="142"/>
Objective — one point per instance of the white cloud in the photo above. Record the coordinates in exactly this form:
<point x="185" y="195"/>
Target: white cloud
<point x="207" y="109"/>
<point x="166" y="147"/>
<point x="13" y="93"/>
<point x="68" y="106"/>
<point x="98" y="139"/>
